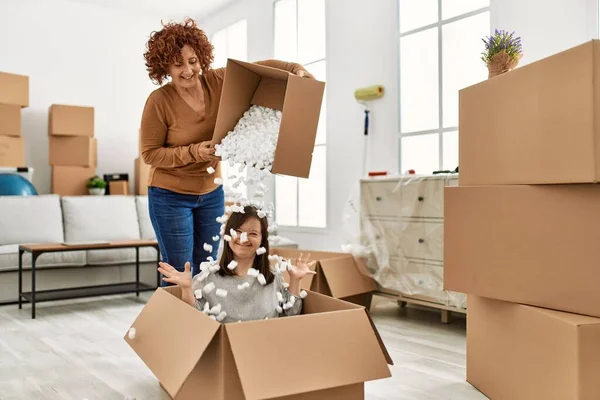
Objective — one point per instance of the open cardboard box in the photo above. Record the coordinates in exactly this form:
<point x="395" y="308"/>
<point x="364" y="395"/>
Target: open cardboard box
<point x="299" y="100"/>
<point x="337" y="275"/>
<point x="327" y="352"/>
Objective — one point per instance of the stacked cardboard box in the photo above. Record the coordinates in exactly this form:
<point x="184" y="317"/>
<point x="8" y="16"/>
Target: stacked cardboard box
<point x="141" y="171"/>
<point x="73" y="148"/>
<point x="521" y="228"/>
<point x="14" y="95"/>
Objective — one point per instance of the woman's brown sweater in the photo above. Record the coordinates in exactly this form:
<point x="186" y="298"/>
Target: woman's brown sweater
<point x="171" y="132"/>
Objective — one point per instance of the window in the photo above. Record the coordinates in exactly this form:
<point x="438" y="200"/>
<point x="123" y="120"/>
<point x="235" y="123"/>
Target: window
<point x="440" y="45"/>
<point x="299" y="31"/>
<point x="231" y="42"/>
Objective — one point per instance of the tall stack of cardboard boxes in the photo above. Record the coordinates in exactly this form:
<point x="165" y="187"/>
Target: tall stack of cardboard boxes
<point x="140" y="171"/>
<point x="14" y="95"/>
<point x="73" y="148"/>
<point x="522" y="229"/>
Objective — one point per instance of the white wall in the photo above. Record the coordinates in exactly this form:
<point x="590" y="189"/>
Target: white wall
<point x="362" y="50"/>
<point x="79" y="54"/>
<point x="546" y="27"/>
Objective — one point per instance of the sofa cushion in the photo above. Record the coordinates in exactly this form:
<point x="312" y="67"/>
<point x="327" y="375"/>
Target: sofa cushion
<point x="100" y="218"/>
<point x="30" y="219"/>
<point x="9" y="259"/>
<point x="146" y="229"/>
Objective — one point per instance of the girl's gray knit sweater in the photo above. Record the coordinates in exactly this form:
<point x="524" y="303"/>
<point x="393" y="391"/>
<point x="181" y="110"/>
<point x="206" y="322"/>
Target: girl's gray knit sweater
<point x="251" y="301"/>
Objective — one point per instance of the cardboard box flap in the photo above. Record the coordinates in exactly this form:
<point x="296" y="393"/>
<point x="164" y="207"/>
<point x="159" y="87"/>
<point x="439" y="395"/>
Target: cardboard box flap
<point x="380" y="340"/>
<point x="344" y="279"/>
<point x="262" y="70"/>
<point x="569" y="318"/>
<point x="238" y="90"/>
<point x="292" y="355"/>
<point x="158" y="337"/>
<point x="298" y="129"/>
<point x="313" y="255"/>
<point x="316" y="303"/>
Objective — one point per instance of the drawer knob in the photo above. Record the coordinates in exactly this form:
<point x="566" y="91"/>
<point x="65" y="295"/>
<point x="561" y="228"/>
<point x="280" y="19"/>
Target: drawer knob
<point x="378" y="198"/>
<point x="421" y="198"/>
<point x="421" y="240"/>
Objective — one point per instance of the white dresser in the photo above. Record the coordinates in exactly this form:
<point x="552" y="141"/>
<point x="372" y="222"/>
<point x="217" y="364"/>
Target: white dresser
<point x="402" y="224"/>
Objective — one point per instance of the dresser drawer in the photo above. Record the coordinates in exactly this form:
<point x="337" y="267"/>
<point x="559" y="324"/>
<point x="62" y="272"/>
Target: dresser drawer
<point x="422" y="198"/>
<point x="382" y="236"/>
<point x="421" y="240"/>
<point x="380" y="198"/>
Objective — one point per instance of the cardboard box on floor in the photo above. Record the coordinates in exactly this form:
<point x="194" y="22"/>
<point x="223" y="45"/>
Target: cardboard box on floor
<point x="71" y="180"/>
<point x="539" y="123"/>
<point x="299" y="100"/>
<point x="73" y="150"/>
<point x="337" y="275"/>
<point x="520" y="352"/>
<point x="529" y="244"/>
<point x="140" y="177"/>
<point x="312" y="356"/>
<point x="10" y="120"/>
<point x="14" y="89"/>
<point x="70" y="120"/>
<point x="12" y="151"/>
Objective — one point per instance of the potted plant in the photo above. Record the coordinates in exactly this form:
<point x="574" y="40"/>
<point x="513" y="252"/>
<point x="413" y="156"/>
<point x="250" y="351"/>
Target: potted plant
<point x="96" y="186"/>
<point x="502" y="52"/>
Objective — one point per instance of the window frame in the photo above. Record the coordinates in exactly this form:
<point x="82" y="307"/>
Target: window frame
<point x="440" y="130"/>
<point x="303" y="228"/>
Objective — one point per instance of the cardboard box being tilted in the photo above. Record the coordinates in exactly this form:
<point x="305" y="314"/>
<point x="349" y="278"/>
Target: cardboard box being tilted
<point x="338" y="275"/>
<point x="327" y="352"/>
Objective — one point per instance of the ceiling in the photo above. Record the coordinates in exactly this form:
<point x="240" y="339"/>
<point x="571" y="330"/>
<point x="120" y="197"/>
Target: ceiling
<point x="167" y="9"/>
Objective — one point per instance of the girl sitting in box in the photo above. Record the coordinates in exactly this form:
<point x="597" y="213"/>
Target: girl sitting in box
<point x="242" y="285"/>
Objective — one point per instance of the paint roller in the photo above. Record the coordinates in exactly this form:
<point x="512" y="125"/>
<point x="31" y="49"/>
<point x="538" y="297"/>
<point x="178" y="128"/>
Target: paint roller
<point x="366" y="94"/>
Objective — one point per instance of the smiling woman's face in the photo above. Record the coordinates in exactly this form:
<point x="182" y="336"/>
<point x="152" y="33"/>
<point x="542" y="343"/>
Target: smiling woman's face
<point x="247" y="249"/>
<point x="185" y="71"/>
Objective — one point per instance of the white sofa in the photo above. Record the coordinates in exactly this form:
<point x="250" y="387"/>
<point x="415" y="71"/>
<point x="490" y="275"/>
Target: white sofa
<point x="54" y="219"/>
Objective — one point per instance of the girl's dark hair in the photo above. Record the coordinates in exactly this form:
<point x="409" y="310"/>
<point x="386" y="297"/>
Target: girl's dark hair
<point x="261" y="262"/>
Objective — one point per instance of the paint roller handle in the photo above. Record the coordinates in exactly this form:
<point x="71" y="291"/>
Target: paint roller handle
<point x="366" y="122"/>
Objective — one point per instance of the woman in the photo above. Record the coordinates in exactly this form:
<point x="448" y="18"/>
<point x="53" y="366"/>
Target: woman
<point x="242" y="286"/>
<point x="176" y="129"/>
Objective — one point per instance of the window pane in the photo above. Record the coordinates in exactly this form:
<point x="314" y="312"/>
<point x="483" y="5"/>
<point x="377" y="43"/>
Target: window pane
<point x="418" y="13"/>
<point x="453" y="8"/>
<point x="286" y="200"/>
<point x="311" y="30"/>
<point x="237" y="41"/>
<point x="450" y="150"/>
<point x="318" y="69"/>
<point x="313" y="196"/>
<point x="219" y="41"/>
<point x="421" y="153"/>
<point x="461" y="40"/>
<point x="285" y="30"/>
<point x="419" y="94"/>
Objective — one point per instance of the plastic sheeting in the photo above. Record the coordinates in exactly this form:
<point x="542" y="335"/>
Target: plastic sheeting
<point x="396" y="226"/>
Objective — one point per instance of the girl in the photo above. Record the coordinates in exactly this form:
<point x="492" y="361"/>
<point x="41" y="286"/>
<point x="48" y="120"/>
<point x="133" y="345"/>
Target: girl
<point x="242" y="286"/>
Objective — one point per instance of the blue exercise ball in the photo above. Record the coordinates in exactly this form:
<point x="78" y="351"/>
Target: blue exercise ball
<point x="16" y="185"/>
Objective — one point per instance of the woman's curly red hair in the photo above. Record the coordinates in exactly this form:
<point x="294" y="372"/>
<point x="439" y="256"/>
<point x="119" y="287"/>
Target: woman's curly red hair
<point x="164" y="48"/>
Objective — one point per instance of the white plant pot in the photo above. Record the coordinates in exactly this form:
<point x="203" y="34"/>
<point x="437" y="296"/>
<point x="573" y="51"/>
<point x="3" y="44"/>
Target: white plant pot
<point x="97" y="191"/>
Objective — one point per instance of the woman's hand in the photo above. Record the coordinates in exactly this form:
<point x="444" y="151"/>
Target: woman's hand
<point x="206" y="153"/>
<point x="171" y="275"/>
<point x="300" y="268"/>
<point x="303" y="74"/>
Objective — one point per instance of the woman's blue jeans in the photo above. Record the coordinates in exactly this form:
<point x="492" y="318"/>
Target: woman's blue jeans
<point x="183" y="223"/>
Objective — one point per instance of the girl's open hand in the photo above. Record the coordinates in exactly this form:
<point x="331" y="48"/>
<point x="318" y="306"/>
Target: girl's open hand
<point x="300" y="267"/>
<point x="171" y="275"/>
